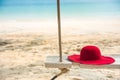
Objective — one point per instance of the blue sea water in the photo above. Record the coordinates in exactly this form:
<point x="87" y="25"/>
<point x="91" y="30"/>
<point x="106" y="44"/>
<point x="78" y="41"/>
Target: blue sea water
<point x="12" y="9"/>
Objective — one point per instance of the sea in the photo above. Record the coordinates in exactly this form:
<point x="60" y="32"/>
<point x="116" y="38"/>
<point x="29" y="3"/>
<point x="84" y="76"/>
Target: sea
<point x="13" y="13"/>
<point x="47" y="9"/>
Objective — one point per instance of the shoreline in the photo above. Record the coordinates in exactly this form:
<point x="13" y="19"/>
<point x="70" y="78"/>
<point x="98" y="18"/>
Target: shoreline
<point x="68" y="25"/>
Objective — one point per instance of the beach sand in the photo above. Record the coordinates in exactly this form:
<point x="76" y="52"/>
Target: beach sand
<point x="23" y="53"/>
<point x="22" y="56"/>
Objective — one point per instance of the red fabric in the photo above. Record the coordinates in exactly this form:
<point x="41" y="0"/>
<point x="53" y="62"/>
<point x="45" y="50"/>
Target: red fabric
<point x="91" y="55"/>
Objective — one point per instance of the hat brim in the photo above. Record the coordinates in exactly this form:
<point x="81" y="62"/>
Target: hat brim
<point x="104" y="60"/>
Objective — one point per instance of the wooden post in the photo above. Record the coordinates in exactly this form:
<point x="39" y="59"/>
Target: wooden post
<point x="59" y="30"/>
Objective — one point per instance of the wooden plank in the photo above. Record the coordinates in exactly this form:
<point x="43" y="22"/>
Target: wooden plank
<point x="53" y="62"/>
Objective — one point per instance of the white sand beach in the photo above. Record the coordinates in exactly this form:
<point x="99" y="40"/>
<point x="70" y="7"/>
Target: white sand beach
<point x="81" y="25"/>
<point x="25" y="44"/>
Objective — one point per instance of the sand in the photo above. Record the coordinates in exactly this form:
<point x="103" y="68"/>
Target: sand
<point x="22" y="56"/>
<point x="23" y="51"/>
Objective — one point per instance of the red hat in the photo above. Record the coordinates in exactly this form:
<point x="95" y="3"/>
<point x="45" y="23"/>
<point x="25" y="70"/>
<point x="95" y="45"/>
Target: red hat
<point x="91" y="55"/>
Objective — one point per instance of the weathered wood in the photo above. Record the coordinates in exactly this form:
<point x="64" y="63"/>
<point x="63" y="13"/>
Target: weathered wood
<point x="53" y="62"/>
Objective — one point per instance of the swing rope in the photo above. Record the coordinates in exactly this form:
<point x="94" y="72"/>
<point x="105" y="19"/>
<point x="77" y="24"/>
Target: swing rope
<point x="63" y="70"/>
<point x="59" y="30"/>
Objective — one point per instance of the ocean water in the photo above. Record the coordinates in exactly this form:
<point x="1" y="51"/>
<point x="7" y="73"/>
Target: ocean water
<point x="47" y="9"/>
<point x="39" y="12"/>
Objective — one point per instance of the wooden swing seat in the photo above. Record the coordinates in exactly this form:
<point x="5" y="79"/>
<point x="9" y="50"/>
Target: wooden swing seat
<point x="53" y="62"/>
